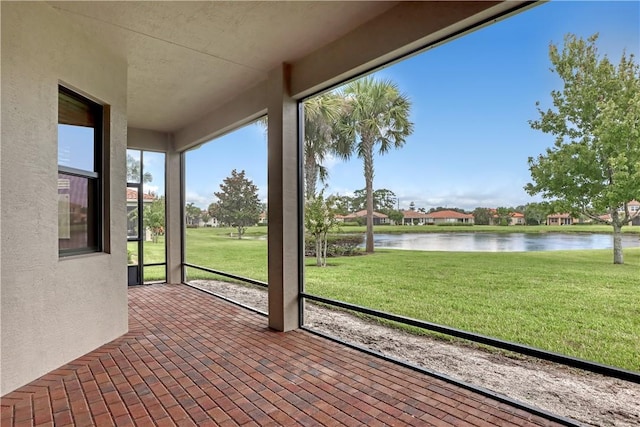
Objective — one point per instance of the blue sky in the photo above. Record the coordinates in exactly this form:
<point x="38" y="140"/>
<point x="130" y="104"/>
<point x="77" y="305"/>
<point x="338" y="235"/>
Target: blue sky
<point x="471" y="98"/>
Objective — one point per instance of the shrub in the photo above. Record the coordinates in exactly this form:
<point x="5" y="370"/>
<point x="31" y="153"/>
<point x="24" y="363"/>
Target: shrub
<point x="337" y="245"/>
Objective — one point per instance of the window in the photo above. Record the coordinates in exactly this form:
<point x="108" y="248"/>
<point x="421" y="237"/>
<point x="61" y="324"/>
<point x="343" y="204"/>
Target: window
<point x="80" y="186"/>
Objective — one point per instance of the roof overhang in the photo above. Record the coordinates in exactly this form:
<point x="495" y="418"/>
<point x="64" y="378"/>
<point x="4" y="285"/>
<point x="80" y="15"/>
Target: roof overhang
<point x="197" y="69"/>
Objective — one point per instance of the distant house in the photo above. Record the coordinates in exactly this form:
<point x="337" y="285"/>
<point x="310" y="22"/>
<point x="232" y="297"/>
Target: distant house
<point x="410" y="217"/>
<point x="132" y="197"/>
<point x="449" y="217"/>
<point x="263" y="218"/>
<point x="340" y="218"/>
<point x="517" y="218"/>
<point x="378" y="218"/>
<point x="213" y="222"/>
<point x="634" y="208"/>
<point x="561" y="219"/>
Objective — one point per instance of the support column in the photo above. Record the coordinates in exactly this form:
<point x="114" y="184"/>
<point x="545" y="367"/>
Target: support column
<point x="283" y="180"/>
<point x="173" y="214"/>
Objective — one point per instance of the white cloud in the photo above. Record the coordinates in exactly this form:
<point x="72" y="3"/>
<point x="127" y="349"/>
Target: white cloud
<point x="330" y="161"/>
<point x="198" y="199"/>
<point x="148" y="188"/>
<point x="467" y="199"/>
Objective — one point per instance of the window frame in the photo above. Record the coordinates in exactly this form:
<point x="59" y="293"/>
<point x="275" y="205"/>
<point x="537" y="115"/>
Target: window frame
<point x="96" y="177"/>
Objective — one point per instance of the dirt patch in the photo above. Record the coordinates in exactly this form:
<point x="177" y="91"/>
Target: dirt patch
<point x="591" y="399"/>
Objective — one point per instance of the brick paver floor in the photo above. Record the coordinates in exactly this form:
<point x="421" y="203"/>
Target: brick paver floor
<point x="193" y="359"/>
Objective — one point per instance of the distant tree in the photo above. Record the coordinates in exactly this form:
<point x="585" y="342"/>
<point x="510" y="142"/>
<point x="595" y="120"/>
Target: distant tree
<point x="359" y="200"/>
<point x="238" y="204"/>
<point x="482" y="216"/>
<point x="394" y="215"/>
<point x="382" y="199"/>
<point x="377" y="120"/>
<point x="192" y="214"/>
<point x="423" y="210"/>
<point x="444" y="208"/>
<point x="536" y="213"/>
<point x="153" y="218"/>
<point x="503" y="215"/>
<point x="343" y="205"/>
<point x="133" y="171"/>
<point x="594" y="165"/>
<point x="412" y="206"/>
<point x="211" y="211"/>
<point x="204" y="216"/>
<point x="319" y="219"/>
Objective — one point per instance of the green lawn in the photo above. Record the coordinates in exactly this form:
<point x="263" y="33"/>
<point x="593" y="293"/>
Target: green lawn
<point x="572" y="302"/>
<point x="153" y="253"/>
<point x="215" y="248"/>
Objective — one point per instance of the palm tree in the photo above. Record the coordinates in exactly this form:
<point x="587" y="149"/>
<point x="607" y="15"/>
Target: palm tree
<point x="378" y="116"/>
<point x="321" y="114"/>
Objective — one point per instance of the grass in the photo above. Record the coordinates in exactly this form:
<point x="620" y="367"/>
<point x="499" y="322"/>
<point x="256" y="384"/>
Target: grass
<point x="214" y="248"/>
<point x="153" y="253"/>
<point x="572" y="302"/>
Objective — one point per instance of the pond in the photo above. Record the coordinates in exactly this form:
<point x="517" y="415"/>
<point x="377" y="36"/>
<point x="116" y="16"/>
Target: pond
<point x="499" y="242"/>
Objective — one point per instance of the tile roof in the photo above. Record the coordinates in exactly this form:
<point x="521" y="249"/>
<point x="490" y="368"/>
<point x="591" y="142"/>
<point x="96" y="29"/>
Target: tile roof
<point x="560" y="215"/>
<point x="448" y="214"/>
<point x="132" y="195"/>
<point x="409" y="214"/>
<point x="363" y="213"/>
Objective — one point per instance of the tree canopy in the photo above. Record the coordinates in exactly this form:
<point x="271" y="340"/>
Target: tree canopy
<point x="319" y="219"/>
<point x="238" y="204"/>
<point x="593" y="167"/>
<point x="192" y="214"/>
<point x="321" y="114"/>
<point x="134" y="170"/>
<point x="153" y="218"/>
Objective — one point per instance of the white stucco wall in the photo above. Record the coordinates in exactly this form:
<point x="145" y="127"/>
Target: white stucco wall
<point x="53" y="310"/>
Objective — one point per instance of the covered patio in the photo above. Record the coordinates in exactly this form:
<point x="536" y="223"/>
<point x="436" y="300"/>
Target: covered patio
<point x="190" y="358"/>
<point x="78" y="346"/>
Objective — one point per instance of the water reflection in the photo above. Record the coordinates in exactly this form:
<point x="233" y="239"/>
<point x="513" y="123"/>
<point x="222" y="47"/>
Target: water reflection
<point x="499" y="242"/>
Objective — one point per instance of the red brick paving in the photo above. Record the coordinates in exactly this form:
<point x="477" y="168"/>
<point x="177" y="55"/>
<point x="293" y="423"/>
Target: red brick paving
<point x="192" y="359"/>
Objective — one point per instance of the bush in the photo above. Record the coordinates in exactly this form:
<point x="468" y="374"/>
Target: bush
<point x="337" y="245"/>
<point x="453" y="224"/>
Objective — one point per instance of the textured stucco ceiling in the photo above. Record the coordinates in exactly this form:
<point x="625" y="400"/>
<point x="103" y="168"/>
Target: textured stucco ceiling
<point x="187" y="58"/>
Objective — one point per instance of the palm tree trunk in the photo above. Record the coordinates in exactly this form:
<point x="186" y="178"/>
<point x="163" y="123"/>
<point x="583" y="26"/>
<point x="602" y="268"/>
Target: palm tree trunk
<point x="310" y="176"/>
<point x="368" y="177"/>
